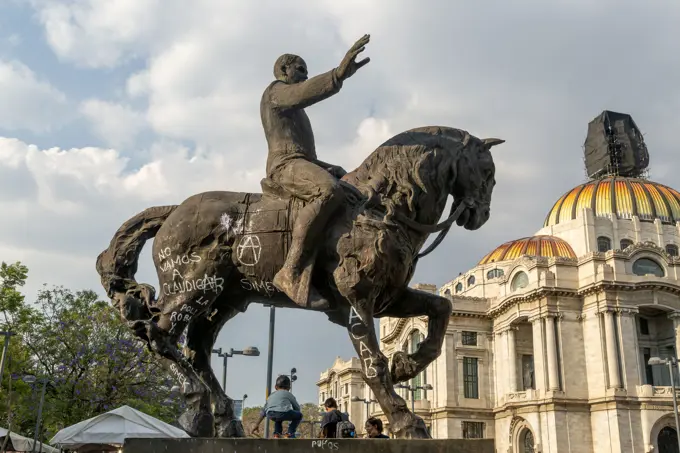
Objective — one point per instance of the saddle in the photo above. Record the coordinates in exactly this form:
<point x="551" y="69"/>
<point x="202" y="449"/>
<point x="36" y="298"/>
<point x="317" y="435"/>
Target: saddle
<point x="272" y="189"/>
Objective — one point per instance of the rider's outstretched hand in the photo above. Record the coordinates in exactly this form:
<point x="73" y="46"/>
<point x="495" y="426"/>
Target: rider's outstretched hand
<point x="349" y="65"/>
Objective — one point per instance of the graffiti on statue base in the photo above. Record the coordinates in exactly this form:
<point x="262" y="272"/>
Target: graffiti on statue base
<point x="325" y="444"/>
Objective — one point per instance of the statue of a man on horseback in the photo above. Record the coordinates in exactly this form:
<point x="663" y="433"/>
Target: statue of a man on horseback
<point x="217" y="252"/>
<point x="293" y="165"/>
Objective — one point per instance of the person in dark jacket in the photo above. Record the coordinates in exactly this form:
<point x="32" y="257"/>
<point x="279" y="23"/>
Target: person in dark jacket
<point x="330" y="419"/>
<point x="374" y="429"/>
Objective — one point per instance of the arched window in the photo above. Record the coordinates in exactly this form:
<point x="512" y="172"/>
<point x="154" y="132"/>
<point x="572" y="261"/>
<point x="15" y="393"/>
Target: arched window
<point x="526" y="440"/>
<point x="645" y="266"/>
<point x="447" y="292"/>
<point x="672" y="249"/>
<point x="471" y="280"/>
<point x="459" y="287"/>
<point x="667" y="439"/>
<point x="604" y="244"/>
<point x="494" y="273"/>
<point x="625" y="243"/>
<point x="519" y="281"/>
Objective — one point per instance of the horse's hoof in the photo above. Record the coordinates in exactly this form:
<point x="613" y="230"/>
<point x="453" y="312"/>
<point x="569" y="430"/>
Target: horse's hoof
<point x="403" y="367"/>
<point x="414" y="428"/>
<point x="228" y="427"/>
<point x="197" y="423"/>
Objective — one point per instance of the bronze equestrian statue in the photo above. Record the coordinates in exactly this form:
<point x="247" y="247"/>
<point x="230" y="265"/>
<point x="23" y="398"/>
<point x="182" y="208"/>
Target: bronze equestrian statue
<point x="217" y="252"/>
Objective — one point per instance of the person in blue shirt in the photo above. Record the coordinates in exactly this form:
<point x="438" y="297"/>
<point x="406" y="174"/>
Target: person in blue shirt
<point x="281" y="406"/>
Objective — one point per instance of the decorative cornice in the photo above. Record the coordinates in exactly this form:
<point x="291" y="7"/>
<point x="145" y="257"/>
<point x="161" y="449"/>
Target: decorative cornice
<point x="538" y="293"/>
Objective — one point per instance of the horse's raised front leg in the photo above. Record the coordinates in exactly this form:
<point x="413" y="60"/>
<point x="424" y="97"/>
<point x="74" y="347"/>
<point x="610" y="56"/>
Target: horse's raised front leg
<point x="361" y="329"/>
<point x="438" y="311"/>
<point x="201" y="336"/>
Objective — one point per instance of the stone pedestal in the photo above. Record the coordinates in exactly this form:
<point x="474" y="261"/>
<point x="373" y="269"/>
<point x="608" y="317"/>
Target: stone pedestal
<point x="307" y="445"/>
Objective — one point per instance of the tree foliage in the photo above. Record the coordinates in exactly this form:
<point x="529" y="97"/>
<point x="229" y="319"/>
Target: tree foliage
<point x="90" y="358"/>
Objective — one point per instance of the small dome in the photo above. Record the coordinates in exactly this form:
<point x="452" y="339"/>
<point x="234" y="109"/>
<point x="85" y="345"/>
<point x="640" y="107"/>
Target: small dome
<point x="531" y="246"/>
<point x="625" y="197"/>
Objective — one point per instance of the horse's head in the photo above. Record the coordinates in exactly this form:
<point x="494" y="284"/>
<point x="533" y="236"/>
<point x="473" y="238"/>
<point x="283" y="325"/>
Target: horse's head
<point x="473" y="180"/>
<point x="419" y="168"/>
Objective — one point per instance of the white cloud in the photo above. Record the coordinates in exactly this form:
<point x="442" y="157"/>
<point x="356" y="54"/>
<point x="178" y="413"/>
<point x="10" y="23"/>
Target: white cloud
<point x="193" y="75"/>
<point x="99" y="33"/>
<point x="28" y="102"/>
<point x="117" y="124"/>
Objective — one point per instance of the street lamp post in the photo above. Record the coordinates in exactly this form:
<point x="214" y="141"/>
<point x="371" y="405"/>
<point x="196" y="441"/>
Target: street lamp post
<point x="243" y="404"/>
<point x="250" y="351"/>
<point x="270" y="361"/>
<point x="293" y="377"/>
<point x="413" y="390"/>
<point x="44" y="381"/>
<point x="672" y="364"/>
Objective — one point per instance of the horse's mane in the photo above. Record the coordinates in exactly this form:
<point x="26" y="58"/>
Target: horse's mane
<point x="401" y="169"/>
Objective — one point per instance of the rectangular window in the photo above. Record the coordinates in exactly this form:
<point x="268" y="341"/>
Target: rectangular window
<point x="473" y="430"/>
<point x="470" y="338"/>
<point x="649" y="373"/>
<point x="528" y="372"/>
<point x="644" y="326"/>
<point x="470" y="377"/>
<point x="346" y="389"/>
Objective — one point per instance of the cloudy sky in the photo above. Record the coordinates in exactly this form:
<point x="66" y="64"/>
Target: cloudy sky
<point x="108" y="107"/>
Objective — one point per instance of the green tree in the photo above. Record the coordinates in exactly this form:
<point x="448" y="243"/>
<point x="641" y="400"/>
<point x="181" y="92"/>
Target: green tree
<point x="90" y="357"/>
<point x="93" y="361"/>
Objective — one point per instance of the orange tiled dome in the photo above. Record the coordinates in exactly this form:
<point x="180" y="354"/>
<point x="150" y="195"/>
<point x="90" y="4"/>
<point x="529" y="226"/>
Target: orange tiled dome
<point x="625" y="197"/>
<point x="532" y="246"/>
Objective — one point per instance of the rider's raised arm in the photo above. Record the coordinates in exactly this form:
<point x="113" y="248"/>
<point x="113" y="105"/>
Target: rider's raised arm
<point x="303" y="94"/>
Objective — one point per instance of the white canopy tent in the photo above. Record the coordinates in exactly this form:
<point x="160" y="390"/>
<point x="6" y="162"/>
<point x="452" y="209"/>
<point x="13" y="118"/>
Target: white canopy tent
<point x="112" y="428"/>
<point x="22" y="444"/>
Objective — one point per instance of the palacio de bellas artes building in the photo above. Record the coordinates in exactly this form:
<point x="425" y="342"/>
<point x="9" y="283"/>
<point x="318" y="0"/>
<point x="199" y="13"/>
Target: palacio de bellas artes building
<point x="548" y="346"/>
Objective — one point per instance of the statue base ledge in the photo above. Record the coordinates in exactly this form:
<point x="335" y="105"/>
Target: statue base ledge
<point x="250" y="445"/>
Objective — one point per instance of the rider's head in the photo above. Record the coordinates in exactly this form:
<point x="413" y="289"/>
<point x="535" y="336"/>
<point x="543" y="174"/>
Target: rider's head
<point x="290" y="68"/>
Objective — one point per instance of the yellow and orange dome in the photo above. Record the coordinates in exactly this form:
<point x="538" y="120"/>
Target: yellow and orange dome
<point x="532" y="246"/>
<point x="625" y="197"/>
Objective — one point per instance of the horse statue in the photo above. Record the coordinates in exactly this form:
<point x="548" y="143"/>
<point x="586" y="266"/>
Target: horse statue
<point x="217" y="252"/>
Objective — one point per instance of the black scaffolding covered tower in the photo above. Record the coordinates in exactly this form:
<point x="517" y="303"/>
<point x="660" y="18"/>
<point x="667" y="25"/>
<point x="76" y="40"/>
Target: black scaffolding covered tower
<point x="615" y="146"/>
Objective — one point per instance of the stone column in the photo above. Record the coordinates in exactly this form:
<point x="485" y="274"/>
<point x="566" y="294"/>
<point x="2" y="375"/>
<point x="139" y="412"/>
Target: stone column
<point x="539" y="358"/>
<point x="675" y="316"/>
<point x="512" y="359"/>
<point x="612" y="350"/>
<point x="551" y="350"/>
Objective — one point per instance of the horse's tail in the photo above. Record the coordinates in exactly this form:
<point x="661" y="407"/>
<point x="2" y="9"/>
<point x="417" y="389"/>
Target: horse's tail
<point x="117" y="265"/>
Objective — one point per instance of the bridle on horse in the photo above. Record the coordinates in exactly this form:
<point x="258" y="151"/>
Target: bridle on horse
<point x="443" y="227"/>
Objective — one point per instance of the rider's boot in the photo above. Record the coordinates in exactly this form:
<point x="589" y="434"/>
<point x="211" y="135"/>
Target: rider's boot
<point x="294" y="278"/>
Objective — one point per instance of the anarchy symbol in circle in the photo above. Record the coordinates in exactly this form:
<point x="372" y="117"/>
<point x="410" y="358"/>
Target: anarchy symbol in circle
<point x="248" y="250"/>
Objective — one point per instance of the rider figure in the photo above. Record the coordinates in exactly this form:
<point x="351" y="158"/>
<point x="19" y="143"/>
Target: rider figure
<point x="292" y="162"/>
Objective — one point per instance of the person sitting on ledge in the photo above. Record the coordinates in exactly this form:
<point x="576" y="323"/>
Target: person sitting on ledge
<point x="281" y="406"/>
<point x="374" y="429"/>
